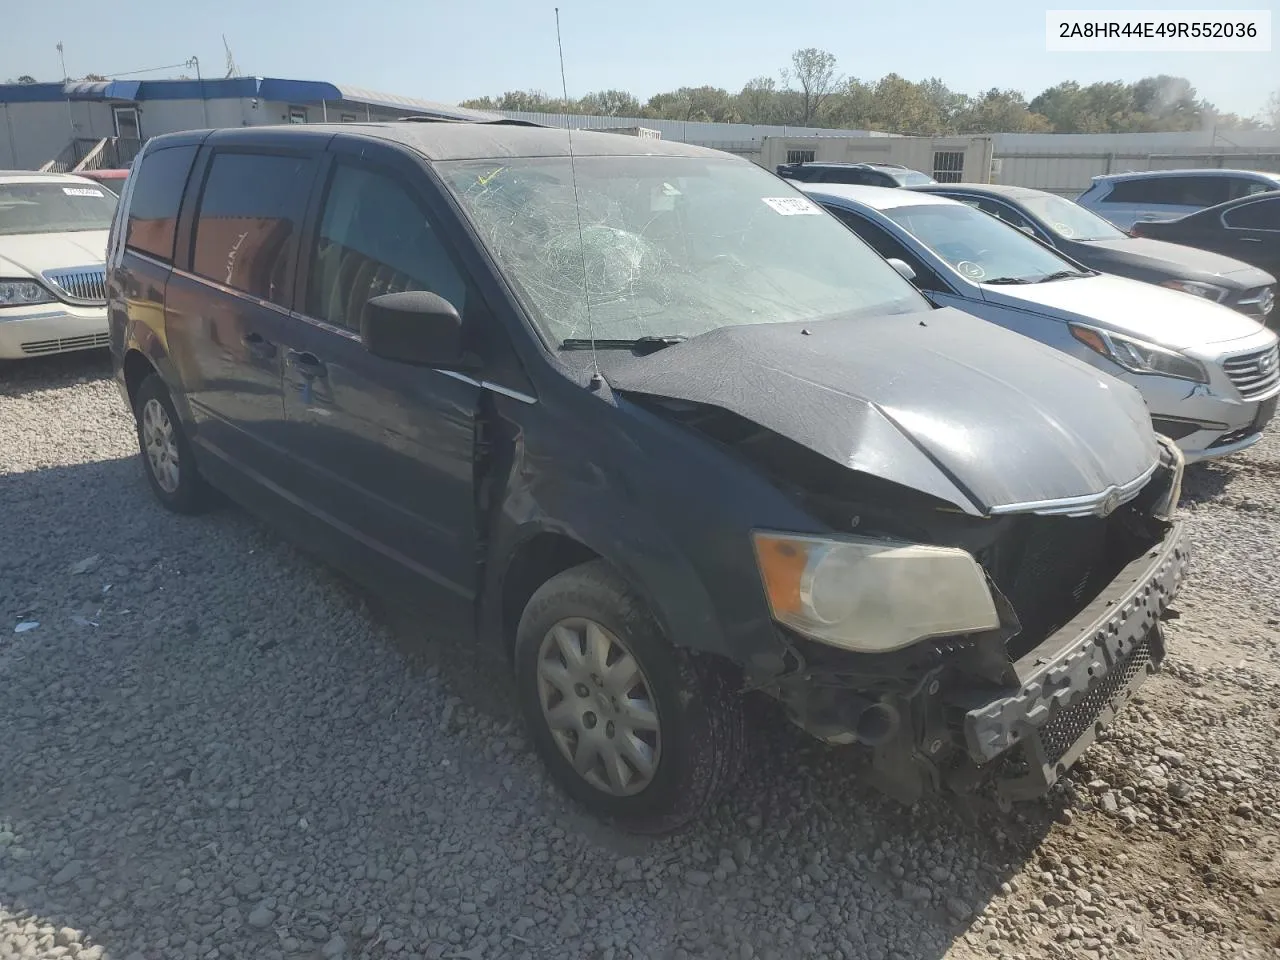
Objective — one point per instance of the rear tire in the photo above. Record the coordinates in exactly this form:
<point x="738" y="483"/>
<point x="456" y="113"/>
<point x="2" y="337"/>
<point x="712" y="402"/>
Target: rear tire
<point x="167" y="459"/>
<point x="638" y="732"/>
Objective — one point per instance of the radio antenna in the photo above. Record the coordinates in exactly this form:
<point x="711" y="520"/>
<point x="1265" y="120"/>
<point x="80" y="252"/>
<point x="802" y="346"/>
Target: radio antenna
<point x="596" y="379"/>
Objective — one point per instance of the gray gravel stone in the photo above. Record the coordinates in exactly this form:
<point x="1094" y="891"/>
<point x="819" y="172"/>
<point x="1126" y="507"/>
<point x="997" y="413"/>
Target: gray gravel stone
<point x="260" y="745"/>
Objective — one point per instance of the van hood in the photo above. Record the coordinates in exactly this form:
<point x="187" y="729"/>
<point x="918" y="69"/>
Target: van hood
<point x="30" y="254"/>
<point x="940" y="402"/>
<point x="1173" y="319"/>
<point x="1188" y="263"/>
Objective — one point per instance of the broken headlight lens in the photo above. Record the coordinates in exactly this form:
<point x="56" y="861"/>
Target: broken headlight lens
<point x="1138" y="356"/>
<point x="872" y="595"/>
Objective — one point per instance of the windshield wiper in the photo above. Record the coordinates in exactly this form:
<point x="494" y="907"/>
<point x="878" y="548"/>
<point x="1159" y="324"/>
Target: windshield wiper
<point x="1063" y="275"/>
<point x="999" y="280"/>
<point x="646" y="344"/>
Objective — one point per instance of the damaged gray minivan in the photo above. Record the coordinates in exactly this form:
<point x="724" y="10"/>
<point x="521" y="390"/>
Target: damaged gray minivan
<point x="644" y="415"/>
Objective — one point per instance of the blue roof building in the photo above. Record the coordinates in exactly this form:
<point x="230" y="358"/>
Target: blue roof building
<point x="102" y="124"/>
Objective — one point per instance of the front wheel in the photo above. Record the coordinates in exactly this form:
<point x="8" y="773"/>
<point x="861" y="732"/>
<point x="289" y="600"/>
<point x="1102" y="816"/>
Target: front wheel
<point x="635" y="730"/>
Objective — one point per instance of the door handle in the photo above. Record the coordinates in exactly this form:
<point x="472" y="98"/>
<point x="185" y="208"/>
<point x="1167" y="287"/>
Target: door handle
<point x="306" y="363"/>
<point x="259" y="346"/>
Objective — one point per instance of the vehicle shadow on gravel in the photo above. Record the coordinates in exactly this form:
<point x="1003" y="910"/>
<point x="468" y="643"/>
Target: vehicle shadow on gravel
<point x="21" y="377"/>
<point x="222" y="745"/>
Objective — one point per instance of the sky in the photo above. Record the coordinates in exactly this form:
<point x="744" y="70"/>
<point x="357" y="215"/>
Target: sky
<point x="451" y="51"/>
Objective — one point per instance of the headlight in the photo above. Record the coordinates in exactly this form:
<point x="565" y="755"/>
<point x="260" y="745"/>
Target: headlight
<point x="1195" y="288"/>
<point x="1138" y="356"/>
<point x="20" y="293"/>
<point x="872" y="595"/>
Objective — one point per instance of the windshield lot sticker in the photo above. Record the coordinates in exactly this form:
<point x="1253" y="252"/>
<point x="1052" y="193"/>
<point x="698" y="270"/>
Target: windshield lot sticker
<point x="81" y="192"/>
<point x="792" y="206"/>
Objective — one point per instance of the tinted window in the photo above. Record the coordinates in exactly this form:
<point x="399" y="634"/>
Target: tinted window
<point x="157" y="193"/>
<point x="247" y="222"/>
<point x="1006" y="213"/>
<point x="374" y="239"/>
<point x="1245" y="187"/>
<point x="1180" y="191"/>
<point x="888" y="246"/>
<point x="1258" y="215"/>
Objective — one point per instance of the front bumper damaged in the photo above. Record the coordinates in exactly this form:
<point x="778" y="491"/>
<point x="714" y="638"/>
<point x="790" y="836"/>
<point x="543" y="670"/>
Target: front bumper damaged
<point x="1075" y="682"/>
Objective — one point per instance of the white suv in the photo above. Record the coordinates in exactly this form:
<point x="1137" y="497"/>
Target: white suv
<point x="1126" y="198"/>
<point x="53" y="245"/>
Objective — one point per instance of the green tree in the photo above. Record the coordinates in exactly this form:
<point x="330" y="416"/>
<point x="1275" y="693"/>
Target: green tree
<point x="999" y="111"/>
<point x="758" y="101"/>
<point x="610" y="103"/>
<point x="900" y="106"/>
<point x="694" y="104"/>
<point x="814" y="72"/>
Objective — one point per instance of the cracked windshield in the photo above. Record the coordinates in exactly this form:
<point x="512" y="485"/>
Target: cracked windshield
<point x="669" y="246"/>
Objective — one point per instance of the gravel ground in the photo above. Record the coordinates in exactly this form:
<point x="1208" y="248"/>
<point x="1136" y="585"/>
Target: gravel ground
<point x="212" y="746"/>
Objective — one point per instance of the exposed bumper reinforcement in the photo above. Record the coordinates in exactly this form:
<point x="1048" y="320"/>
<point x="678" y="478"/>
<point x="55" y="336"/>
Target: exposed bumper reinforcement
<point x="1075" y="682"/>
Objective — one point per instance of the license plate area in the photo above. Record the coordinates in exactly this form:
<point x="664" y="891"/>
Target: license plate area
<point x="1266" y="412"/>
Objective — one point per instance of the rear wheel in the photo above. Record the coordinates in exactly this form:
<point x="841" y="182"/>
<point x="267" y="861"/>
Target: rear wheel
<point x="166" y="453"/>
<point x="630" y="727"/>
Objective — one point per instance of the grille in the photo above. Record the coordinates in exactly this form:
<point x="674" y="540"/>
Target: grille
<point x="1254" y="373"/>
<point x="35" y="347"/>
<point x="1070" y="724"/>
<point x="81" y="284"/>
<point x="1046" y="570"/>
<point x="1259" y="300"/>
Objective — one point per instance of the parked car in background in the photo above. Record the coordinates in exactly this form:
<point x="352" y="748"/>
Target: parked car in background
<point x="112" y="179"/>
<point x="1088" y="239"/>
<point x="652" y="422"/>
<point x="1126" y="198"/>
<point x="867" y="174"/>
<point x="1210" y="375"/>
<point x="1248" y="228"/>
<point x="53" y="241"/>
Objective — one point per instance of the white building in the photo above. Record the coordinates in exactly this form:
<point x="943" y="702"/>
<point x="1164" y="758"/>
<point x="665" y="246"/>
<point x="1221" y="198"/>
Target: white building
<point x="60" y="125"/>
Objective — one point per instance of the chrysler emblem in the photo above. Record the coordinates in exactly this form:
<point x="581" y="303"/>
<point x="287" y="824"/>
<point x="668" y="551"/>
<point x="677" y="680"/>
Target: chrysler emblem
<point x="1109" y="503"/>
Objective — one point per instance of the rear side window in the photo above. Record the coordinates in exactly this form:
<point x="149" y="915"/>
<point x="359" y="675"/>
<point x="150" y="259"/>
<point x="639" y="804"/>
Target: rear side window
<point x="1177" y="191"/>
<point x="1258" y="215"/>
<point x="1241" y="187"/>
<point x="247" y="225"/>
<point x="157" y="194"/>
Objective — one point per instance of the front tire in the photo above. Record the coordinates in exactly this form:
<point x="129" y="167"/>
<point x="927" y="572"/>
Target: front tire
<point x="167" y="459"/>
<point x="635" y="730"/>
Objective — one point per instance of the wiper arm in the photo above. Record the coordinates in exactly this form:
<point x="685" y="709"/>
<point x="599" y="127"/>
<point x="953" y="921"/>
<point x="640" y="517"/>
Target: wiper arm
<point x="647" y="344"/>
<point x="1005" y="280"/>
<point x="1062" y="275"/>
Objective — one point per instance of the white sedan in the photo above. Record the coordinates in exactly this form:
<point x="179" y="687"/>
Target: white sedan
<point x="53" y="243"/>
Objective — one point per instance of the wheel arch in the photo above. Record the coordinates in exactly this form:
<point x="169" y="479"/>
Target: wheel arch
<point x="662" y="577"/>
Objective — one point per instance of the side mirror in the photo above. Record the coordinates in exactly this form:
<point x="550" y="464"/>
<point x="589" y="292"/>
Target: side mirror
<point x="414" y="326"/>
<point x="903" y="268"/>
